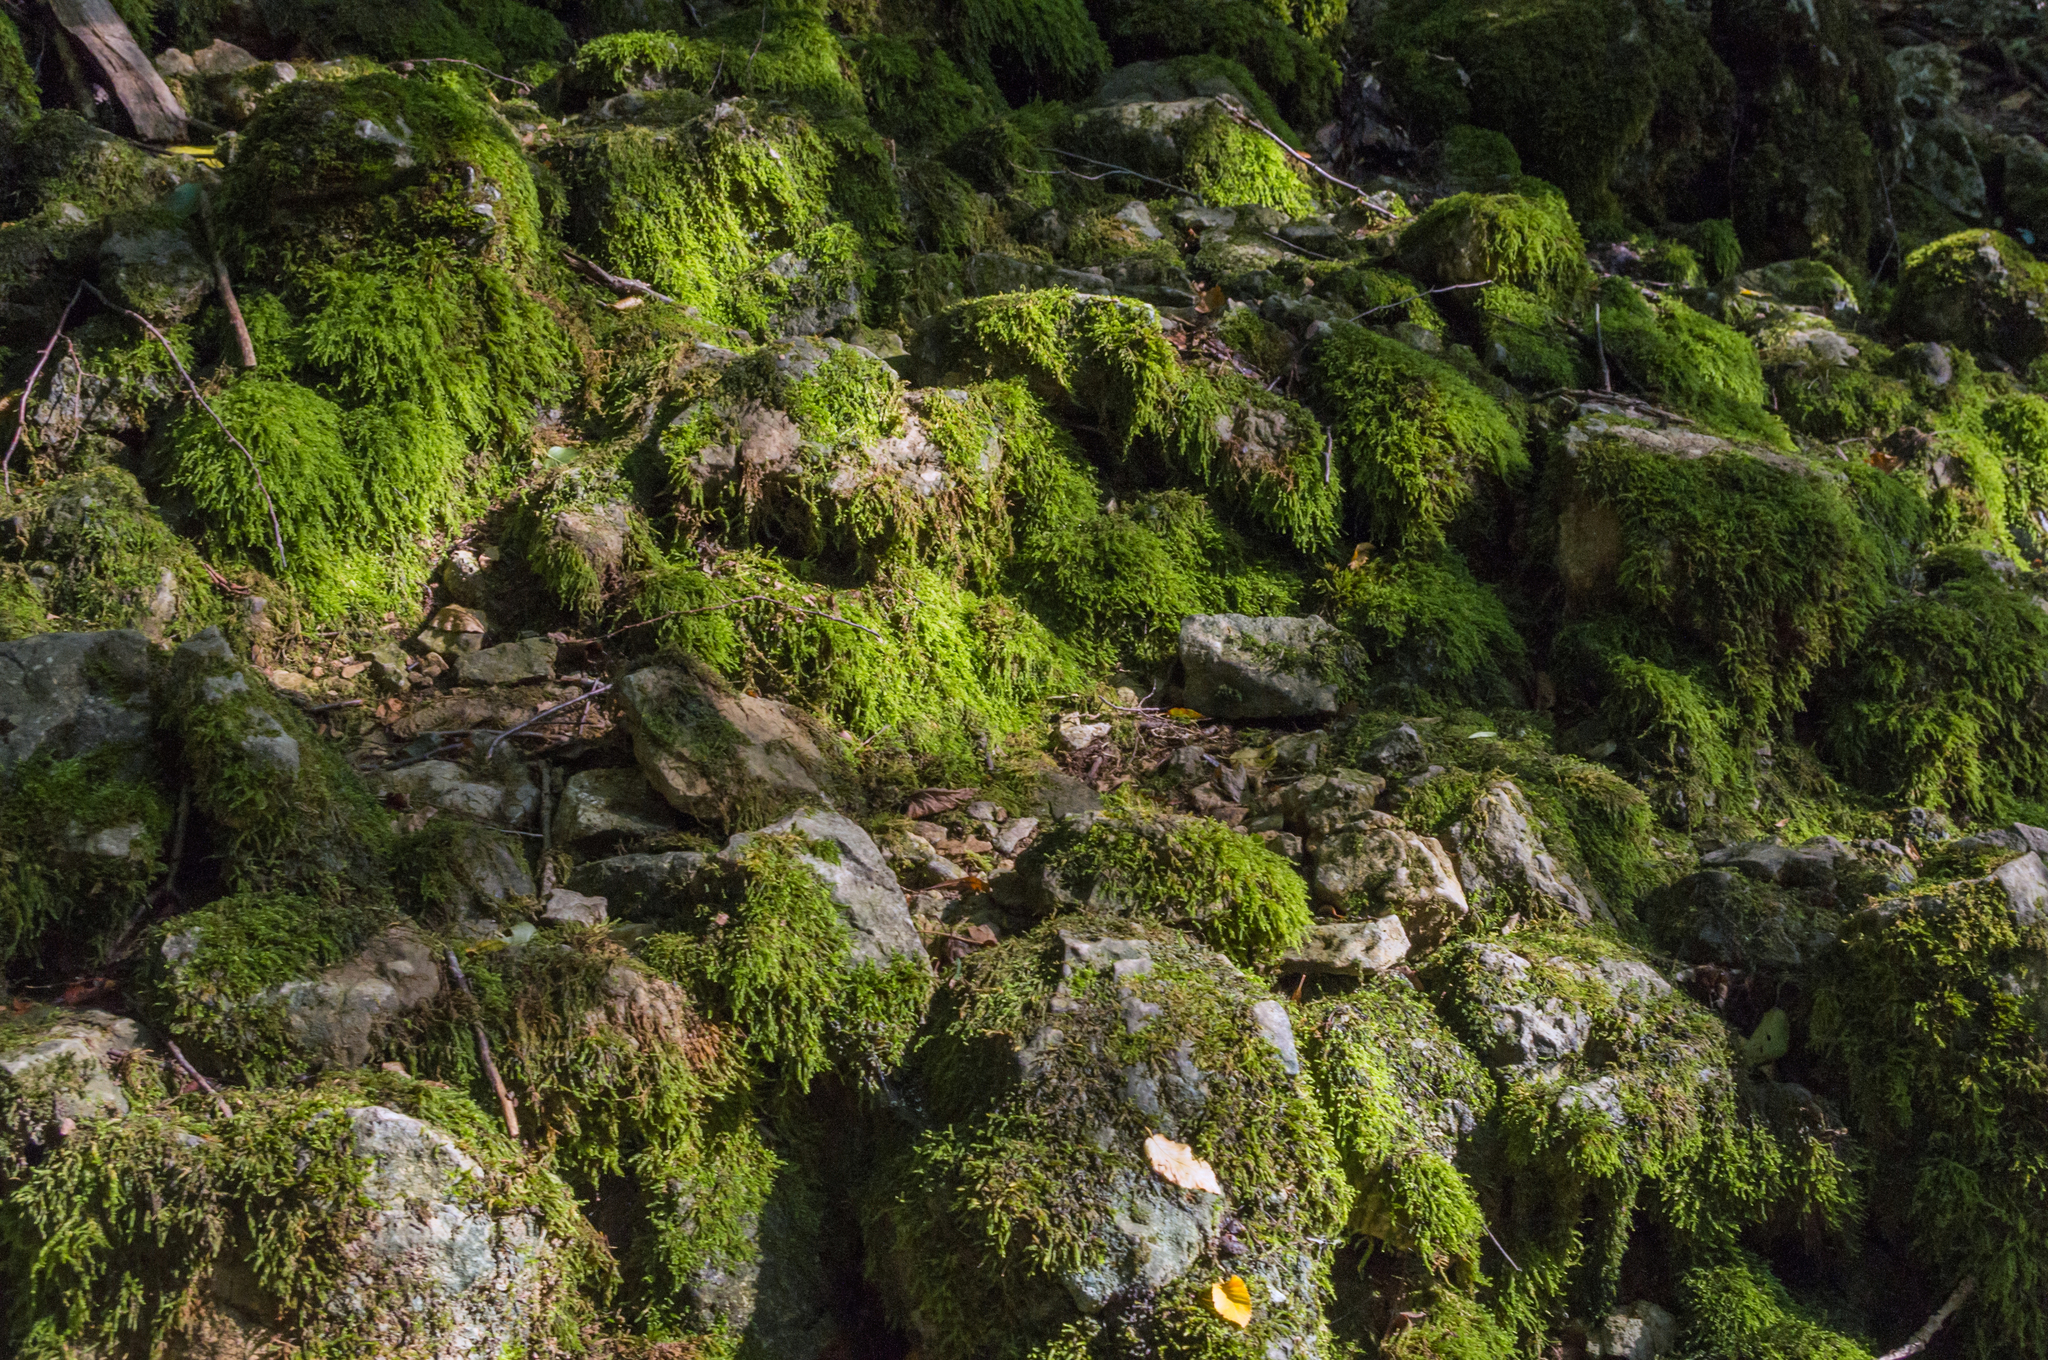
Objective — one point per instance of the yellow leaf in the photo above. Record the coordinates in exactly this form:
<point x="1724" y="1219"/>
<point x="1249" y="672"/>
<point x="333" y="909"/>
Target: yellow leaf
<point x="1232" y="1301"/>
<point x="1183" y="715"/>
<point x="1178" y="1163"/>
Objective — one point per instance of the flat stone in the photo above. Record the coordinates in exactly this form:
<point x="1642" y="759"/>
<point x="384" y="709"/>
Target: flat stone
<point x="568" y="907"/>
<point x="506" y="796"/>
<point x="1353" y="949"/>
<point x="508" y="663"/>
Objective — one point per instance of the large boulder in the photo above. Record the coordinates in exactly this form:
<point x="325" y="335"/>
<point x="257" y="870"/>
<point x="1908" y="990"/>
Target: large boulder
<point x="857" y="874"/>
<point x="64" y="695"/>
<point x="730" y="760"/>
<point x="1110" y="1118"/>
<point x="1242" y="667"/>
<point x="1979" y="289"/>
<point x="336" y="1016"/>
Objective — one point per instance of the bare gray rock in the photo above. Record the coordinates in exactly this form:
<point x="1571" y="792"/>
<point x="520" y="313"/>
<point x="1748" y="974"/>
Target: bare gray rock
<point x="1353" y="949"/>
<point x="56" y="1072"/>
<point x="610" y="805"/>
<point x="1242" y="667"/>
<point x="568" y="907"/>
<point x="1394" y="870"/>
<point x="336" y="1016"/>
<point x="508" y="663"/>
<point x="72" y="694"/>
<point x="1501" y="855"/>
<point x="727" y="759"/>
<point x="640" y="887"/>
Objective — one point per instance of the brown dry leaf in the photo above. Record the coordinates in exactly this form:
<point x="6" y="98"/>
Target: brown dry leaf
<point x="931" y="802"/>
<point x="1232" y="1301"/>
<point x="1178" y="1163"/>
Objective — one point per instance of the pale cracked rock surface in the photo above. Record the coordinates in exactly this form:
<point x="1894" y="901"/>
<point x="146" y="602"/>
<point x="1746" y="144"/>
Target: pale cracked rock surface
<point x="336" y="1016"/>
<point x="64" y="695"/>
<point x="723" y="758"/>
<point x="1394" y="870"/>
<point x="1242" y="667"/>
<point x="1500" y="854"/>
<point x="58" y="1063"/>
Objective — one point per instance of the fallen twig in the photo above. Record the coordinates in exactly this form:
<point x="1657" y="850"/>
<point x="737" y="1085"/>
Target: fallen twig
<point x="1501" y="1249"/>
<point x="1302" y="156"/>
<point x="1918" y="1341"/>
<point x="742" y="599"/>
<point x="544" y="715"/>
<point x="1413" y="297"/>
<point x="518" y="86"/>
<point x="598" y="274"/>
<point x="1600" y="343"/>
<point x="483" y="1053"/>
<point x="220" y="1101"/>
<point x="227" y="287"/>
<point x="21" y="412"/>
<point x="341" y="703"/>
<point x="1124" y="170"/>
<point x="1297" y="246"/>
<point x="207" y="406"/>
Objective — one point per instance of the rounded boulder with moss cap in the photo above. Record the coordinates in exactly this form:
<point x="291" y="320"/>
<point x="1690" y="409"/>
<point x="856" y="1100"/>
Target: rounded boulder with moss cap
<point x="1240" y="667"/>
<point x="1040" y="1203"/>
<point x="1979" y="289"/>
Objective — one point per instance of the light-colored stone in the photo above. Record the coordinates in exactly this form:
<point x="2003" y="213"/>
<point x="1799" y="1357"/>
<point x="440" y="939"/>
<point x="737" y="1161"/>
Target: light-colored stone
<point x="1353" y="949"/>
<point x="73" y="694"/>
<point x="724" y="758"/>
<point x="504" y="795"/>
<point x="1237" y="666"/>
<point x="567" y="907"/>
<point x="869" y="898"/>
<point x="56" y="1070"/>
<point x="1395" y="870"/>
<point x="454" y="629"/>
<point x="337" y="1015"/>
<point x="1501" y="855"/>
<point x="508" y="663"/>
<point x="1641" y="1331"/>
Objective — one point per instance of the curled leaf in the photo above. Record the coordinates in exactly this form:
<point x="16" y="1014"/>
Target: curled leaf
<point x="1178" y="1163"/>
<point x="1232" y="1301"/>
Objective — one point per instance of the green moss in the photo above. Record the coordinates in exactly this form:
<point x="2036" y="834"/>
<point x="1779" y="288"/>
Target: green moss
<point x="110" y="559"/>
<point x="1230" y="165"/>
<point x="1648" y="1119"/>
<point x="1581" y="86"/>
<point x="1976" y="288"/>
<point x="1687" y="361"/>
<point x="578" y="531"/>
<point x="1050" y="48"/>
<point x="18" y="97"/>
<point x="784" y="53"/>
<point x="1284" y="46"/>
<point x="1760" y="563"/>
<point x="1740" y="1308"/>
<point x="1932" y="1006"/>
<point x="1229" y="888"/>
<point x="1427" y="625"/>
<point x="1382" y="298"/>
<point x="1528" y="342"/>
<point x="499" y="34"/>
<point x="719" y="209"/>
<point x="285" y="806"/>
<point x="916" y="93"/>
<point x="769" y="954"/>
<point x="1400" y="1095"/>
<point x="114" y="1241"/>
<point x="1479" y="159"/>
<point x="1938" y="704"/>
<point x="82" y="838"/>
<point x="983" y="1211"/>
<point x="1528" y="242"/>
<point x="1719" y="247"/>
<point x="1416" y="441"/>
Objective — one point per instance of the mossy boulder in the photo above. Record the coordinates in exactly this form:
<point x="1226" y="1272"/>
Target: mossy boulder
<point x="997" y="1229"/>
<point x="59" y="1067"/>
<point x="1239" y="667"/>
<point x="726" y="759"/>
<point x="315" y="1217"/>
<point x="1528" y="242"/>
<point x="1192" y="872"/>
<point x="1376" y="865"/>
<point x="1505" y="865"/>
<point x="1686" y="360"/>
<point x="1980" y="289"/>
<point x="1195" y="143"/>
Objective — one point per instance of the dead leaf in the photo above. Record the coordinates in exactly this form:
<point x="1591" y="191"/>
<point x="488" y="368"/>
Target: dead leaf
<point x="1232" y="1300"/>
<point x="931" y="802"/>
<point x="1178" y="1163"/>
<point x="1183" y="715"/>
<point x="1360" y="555"/>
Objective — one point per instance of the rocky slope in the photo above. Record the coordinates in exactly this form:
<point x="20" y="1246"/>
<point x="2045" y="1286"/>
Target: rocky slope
<point x="864" y="678"/>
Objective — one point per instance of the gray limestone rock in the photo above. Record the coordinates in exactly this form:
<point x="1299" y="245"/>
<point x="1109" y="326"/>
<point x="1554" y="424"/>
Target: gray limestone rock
<point x="336" y="1016"/>
<point x="724" y="758"/>
<point x="1500" y="855"/>
<point x="502" y="795"/>
<point x="157" y="272"/>
<point x="508" y="663"/>
<point x="1394" y="870"/>
<point x="869" y="898"/>
<point x="1640" y="1331"/>
<point x="1353" y="949"/>
<point x="565" y="906"/>
<point x="56" y="1072"/>
<point x="1237" y="666"/>
<point x="73" y="694"/>
<point x="640" y="887"/>
<point x="610" y="805"/>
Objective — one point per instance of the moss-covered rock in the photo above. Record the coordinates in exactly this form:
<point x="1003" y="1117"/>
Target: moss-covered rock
<point x="1527" y="242"/>
<point x="1686" y="360"/>
<point x="1975" y="288"/>
<point x="997" y="1230"/>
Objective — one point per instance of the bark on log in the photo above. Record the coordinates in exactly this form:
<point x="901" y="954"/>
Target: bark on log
<point x="105" y="39"/>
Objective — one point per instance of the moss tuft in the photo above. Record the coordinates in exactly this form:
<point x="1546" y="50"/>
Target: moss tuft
<point x="1428" y="627"/>
<point x="1527" y="242"/>
<point x="81" y="839"/>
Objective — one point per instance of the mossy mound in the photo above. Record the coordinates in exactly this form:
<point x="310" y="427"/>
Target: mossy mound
<point x="1429" y="628"/>
<point x="1938" y="703"/>
<point x="1285" y="47"/>
<point x="1419" y="444"/>
<point x="998" y="1231"/>
<point x="127" y="1237"/>
<point x="1691" y="362"/>
<point x="1981" y="289"/>
<point x="786" y="54"/>
<point x="83" y="838"/>
<point x="1633" y="1105"/>
<point x="1240" y="897"/>
<point x="1527" y="242"/>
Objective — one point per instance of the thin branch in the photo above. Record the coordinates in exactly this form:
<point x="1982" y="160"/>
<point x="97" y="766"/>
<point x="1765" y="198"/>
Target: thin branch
<point x="1501" y="1249"/>
<point x="1124" y="170"/>
<point x="227" y="287"/>
<point x="1296" y="246"/>
<point x="207" y="406"/>
<point x="1918" y="1341"/>
<point x="1303" y="157"/>
<point x="518" y="86"/>
<point x="329" y="708"/>
<point x="483" y="1053"/>
<point x="544" y="715"/>
<point x="220" y="1102"/>
<point x="1600" y="343"/>
<point x="748" y="78"/>
<point x="21" y="411"/>
<point x="1414" y="297"/>
<point x="742" y="599"/>
<point x="598" y="274"/>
